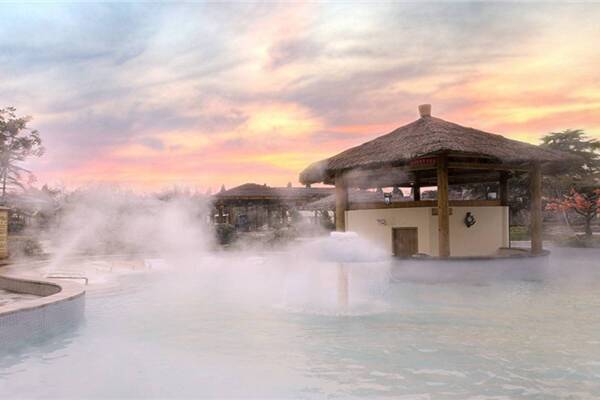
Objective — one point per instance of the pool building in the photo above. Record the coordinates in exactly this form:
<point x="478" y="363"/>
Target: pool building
<point x="433" y="152"/>
<point x="251" y="206"/>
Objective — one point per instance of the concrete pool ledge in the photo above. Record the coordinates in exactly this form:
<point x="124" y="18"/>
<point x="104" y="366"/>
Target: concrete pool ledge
<point x="59" y="305"/>
<point x="505" y="253"/>
<point x="517" y="264"/>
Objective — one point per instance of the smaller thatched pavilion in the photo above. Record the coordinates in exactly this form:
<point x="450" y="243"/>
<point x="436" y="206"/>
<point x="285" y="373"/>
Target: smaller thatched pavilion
<point x="433" y="152"/>
<point x="250" y="206"/>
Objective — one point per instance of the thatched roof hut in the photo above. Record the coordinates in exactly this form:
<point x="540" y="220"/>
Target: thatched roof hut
<point x="433" y="152"/>
<point x="260" y="204"/>
<point x="254" y="191"/>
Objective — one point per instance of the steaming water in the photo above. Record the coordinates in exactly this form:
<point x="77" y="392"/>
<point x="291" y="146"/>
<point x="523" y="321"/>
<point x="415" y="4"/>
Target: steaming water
<point x="224" y="329"/>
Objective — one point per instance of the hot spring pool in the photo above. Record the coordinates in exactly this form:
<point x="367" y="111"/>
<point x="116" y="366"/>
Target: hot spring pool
<point x="184" y="333"/>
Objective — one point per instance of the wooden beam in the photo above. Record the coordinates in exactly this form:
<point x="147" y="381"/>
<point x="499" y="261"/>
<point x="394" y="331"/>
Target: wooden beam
<point x="535" y="189"/>
<point x="385" y="174"/>
<point x="399" y="204"/>
<point x="403" y="176"/>
<point x="503" y="189"/>
<point x="443" y="207"/>
<point x="485" y="166"/>
<point x="341" y="203"/>
<point x="462" y="180"/>
<point x="423" y="203"/>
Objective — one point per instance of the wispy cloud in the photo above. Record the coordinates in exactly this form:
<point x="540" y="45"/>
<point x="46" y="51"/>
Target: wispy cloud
<point x="204" y="94"/>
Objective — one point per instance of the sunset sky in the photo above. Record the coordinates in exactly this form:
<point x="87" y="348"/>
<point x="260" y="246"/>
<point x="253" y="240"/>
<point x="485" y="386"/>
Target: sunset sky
<point x="199" y="95"/>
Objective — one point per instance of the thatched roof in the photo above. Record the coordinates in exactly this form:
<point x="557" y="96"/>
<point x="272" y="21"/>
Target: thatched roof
<point x="428" y="136"/>
<point x="250" y="191"/>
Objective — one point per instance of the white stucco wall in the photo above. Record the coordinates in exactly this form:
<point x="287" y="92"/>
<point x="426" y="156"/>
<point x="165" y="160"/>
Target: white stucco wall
<point x="484" y="238"/>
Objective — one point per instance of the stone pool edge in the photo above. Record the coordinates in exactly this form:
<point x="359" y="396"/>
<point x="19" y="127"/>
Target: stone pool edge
<point x="49" y="292"/>
<point x="61" y="304"/>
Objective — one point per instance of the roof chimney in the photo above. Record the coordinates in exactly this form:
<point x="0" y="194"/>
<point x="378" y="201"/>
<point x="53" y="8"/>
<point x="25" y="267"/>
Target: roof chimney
<point x="425" y="110"/>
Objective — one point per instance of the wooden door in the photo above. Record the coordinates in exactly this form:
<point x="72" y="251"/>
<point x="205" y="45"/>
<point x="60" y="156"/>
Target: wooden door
<point x="405" y="241"/>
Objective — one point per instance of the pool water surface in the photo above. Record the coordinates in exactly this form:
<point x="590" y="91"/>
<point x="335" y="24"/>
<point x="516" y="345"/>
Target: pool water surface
<point x="185" y="333"/>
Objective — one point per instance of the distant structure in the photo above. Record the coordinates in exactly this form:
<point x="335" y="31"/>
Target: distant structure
<point x="434" y="152"/>
<point x="251" y="206"/>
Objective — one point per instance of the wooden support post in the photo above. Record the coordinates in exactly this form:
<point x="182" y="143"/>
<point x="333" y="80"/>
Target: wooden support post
<point x="231" y="213"/>
<point x="220" y="215"/>
<point x="269" y="222"/>
<point x="261" y="214"/>
<point x="503" y="189"/>
<point x="443" y="207"/>
<point x="535" y="189"/>
<point x="341" y="203"/>
<point x="417" y="189"/>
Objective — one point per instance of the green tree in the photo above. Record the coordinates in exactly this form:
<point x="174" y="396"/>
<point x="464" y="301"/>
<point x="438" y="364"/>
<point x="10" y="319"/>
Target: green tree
<point x="583" y="171"/>
<point x="579" y="177"/>
<point x="17" y="143"/>
<point x="575" y="141"/>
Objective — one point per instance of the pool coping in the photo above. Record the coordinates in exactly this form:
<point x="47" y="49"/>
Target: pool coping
<point x="50" y="292"/>
<point x="519" y="253"/>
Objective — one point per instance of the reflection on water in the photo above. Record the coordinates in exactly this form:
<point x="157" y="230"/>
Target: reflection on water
<point x="208" y="334"/>
<point x="42" y="347"/>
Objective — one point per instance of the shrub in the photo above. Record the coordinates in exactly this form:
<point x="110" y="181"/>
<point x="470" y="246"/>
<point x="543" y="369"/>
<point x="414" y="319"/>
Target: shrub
<point x="519" y="232"/>
<point x="225" y="233"/>
<point x="24" y="246"/>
